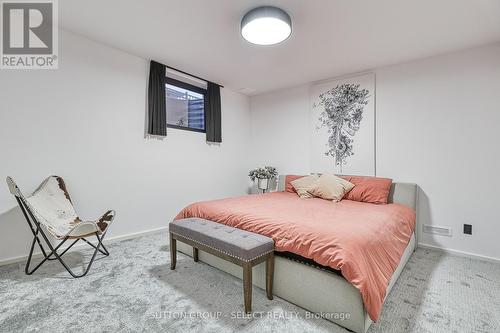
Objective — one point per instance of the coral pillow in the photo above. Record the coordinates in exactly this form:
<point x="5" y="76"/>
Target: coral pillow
<point x="369" y="189"/>
<point x="330" y="187"/>
<point x="288" y="183"/>
<point x="302" y="184"/>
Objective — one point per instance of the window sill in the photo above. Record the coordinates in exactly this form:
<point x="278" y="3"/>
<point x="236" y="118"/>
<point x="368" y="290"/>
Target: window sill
<point x="183" y="128"/>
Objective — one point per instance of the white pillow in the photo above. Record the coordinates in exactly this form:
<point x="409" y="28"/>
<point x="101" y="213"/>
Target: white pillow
<point x="330" y="187"/>
<point x="302" y="184"/>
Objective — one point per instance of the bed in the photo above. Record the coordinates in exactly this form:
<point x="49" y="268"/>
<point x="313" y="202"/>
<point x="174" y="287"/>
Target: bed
<point x="318" y="289"/>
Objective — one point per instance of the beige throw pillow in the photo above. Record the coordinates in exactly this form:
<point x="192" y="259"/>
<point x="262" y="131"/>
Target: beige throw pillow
<point x="330" y="187"/>
<point x="302" y="184"/>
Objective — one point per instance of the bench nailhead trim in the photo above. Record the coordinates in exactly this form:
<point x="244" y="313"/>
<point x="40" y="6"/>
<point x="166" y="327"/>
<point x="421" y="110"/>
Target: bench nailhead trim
<point x="229" y="254"/>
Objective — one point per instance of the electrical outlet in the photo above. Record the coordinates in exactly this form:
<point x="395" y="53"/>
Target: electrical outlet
<point x="468" y="229"/>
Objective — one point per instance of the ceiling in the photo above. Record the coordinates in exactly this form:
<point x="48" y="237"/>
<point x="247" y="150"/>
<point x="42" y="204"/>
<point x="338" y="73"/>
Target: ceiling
<point x="330" y="37"/>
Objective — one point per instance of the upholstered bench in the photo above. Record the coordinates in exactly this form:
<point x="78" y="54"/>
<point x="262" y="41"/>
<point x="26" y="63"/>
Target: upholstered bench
<point x="240" y="247"/>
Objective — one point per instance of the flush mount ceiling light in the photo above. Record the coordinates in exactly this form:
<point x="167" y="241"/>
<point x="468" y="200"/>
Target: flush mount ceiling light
<point x="266" y="25"/>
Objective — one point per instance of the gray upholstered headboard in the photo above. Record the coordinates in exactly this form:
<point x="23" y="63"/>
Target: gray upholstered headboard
<point x="404" y="194"/>
<point x="401" y="193"/>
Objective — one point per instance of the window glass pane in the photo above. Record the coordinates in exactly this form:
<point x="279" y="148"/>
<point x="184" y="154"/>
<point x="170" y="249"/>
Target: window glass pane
<point x="185" y="108"/>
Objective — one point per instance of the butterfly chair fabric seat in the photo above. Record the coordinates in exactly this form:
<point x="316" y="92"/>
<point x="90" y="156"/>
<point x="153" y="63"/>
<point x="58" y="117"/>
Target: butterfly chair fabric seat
<point x="53" y="208"/>
<point x="50" y="207"/>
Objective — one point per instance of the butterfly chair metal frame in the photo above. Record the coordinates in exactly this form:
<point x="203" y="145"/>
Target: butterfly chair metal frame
<point x="38" y="230"/>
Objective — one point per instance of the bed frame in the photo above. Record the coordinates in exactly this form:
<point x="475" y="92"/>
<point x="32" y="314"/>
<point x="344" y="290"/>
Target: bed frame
<point x="316" y="290"/>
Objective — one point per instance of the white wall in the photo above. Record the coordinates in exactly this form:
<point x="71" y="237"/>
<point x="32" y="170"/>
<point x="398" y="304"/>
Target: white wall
<point x="279" y="123"/>
<point x="85" y="122"/>
<point x="438" y="125"/>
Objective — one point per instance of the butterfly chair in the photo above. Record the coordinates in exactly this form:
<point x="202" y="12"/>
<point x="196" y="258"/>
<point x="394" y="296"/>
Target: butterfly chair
<point x="49" y="209"/>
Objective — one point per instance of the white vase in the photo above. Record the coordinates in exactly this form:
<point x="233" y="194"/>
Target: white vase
<point x="263" y="184"/>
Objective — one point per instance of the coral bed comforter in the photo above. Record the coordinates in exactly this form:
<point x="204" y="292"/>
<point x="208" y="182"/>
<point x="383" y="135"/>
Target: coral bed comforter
<point x="364" y="241"/>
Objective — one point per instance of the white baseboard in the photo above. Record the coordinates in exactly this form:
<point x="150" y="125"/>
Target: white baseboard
<point x="78" y="246"/>
<point x="152" y="231"/>
<point x="459" y="253"/>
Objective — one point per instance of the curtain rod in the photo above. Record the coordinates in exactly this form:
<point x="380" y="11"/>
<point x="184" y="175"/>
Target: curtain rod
<point x="197" y="77"/>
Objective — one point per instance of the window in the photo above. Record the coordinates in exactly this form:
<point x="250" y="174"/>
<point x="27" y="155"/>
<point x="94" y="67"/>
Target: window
<point x="185" y="105"/>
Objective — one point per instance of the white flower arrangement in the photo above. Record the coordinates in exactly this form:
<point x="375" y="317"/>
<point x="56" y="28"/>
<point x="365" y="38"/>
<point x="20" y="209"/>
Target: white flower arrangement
<point x="266" y="172"/>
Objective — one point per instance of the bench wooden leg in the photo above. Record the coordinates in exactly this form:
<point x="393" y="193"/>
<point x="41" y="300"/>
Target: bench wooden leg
<point x="173" y="251"/>
<point x="269" y="276"/>
<point x="247" y="286"/>
<point x="195" y="254"/>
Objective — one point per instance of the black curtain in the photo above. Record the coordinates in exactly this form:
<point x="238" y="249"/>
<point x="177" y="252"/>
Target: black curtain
<point x="213" y="113"/>
<point x="157" y="113"/>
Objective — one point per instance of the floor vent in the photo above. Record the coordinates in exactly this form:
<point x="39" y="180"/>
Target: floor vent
<point x="437" y="230"/>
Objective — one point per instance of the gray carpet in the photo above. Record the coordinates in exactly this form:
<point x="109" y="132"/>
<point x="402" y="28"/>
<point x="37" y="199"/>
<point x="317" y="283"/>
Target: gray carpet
<point x="134" y="290"/>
